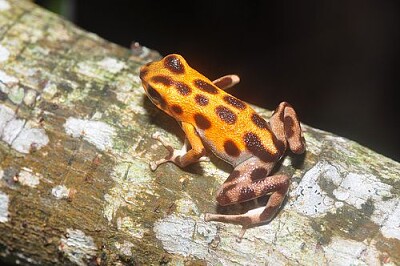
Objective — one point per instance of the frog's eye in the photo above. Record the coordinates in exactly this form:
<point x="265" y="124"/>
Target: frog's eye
<point x="155" y="96"/>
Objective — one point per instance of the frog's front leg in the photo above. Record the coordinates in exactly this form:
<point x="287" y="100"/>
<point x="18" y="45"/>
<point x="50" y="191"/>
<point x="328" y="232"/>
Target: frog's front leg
<point x="250" y="180"/>
<point x="183" y="157"/>
<point x="227" y="81"/>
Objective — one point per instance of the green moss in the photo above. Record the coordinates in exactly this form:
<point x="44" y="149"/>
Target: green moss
<point x="351" y="223"/>
<point x="16" y="94"/>
<point x="322" y="234"/>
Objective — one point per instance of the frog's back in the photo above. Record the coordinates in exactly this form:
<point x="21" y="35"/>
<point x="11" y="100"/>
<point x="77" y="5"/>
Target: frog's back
<point x="230" y="127"/>
<point x="227" y="125"/>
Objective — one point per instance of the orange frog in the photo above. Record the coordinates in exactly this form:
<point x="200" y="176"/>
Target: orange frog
<point x="228" y="127"/>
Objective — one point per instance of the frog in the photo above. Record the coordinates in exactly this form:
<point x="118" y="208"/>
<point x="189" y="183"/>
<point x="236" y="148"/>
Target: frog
<point x="214" y="120"/>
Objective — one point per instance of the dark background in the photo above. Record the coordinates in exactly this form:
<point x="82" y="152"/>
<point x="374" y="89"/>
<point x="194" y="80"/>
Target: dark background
<point x="336" y="62"/>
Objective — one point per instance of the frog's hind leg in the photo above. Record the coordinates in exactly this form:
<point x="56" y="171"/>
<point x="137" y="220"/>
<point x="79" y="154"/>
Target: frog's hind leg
<point x="227" y="81"/>
<point x="286" y="127"/>
<point x="248" y="181"/>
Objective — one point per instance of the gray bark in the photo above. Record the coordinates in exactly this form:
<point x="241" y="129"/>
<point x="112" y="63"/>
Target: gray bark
<point x="75" y="186"/>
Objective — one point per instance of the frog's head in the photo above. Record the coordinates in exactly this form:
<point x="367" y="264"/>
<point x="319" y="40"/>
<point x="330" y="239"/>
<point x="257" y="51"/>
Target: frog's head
<point x="162" y="80"/>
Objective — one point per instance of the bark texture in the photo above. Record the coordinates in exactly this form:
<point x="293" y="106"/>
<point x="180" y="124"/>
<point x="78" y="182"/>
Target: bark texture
<point x="75" y="186"/>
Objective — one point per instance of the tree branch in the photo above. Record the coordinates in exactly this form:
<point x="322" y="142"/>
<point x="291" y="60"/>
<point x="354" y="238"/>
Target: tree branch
<point x="75" y="185"/>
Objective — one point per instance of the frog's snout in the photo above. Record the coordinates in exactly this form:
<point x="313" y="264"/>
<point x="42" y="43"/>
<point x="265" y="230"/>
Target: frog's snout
<point x="144" y="70"/>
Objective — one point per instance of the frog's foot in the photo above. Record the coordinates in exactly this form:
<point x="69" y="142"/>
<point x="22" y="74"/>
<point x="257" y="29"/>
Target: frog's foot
<point x="246" y="220"/>
<point x="169" y="158"/>
<point x="175" y="156"/>
<point x="157" y="136"/>
<point x="236" y="219"/>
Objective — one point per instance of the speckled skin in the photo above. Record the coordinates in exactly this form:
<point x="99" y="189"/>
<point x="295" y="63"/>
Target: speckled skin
<point x="231" y="129"/>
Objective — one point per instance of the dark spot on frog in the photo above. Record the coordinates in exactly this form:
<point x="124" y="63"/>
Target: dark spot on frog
<point x="222" y="198"/>
<point x="155" y="97"/>
<point x="201" y="100"/>
<point x="202" y="122"/>
<point x="182" y="88"/>
<point x="173" y="64"/>
<point x="177" y="109"/>
<point x="281" y="116"/>
<point x="143" y="72"/>
<point x="254" y="145"/>
<point x="225" y="114"/>
<point x="231" y="148"/>
<point x="234" y="102"/>
<point x="289" y="125"/>
<point x="223" y="83"/>
<point x="258" y="173"/>
<point x="246" y="193"/>
<point x="162" y="79"/>
<point x="259" y="121"/>
<point x="279" y="144"/>
<point x="205" y="86"/>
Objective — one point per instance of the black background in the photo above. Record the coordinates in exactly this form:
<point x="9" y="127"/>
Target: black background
<point x="336" y="62"/>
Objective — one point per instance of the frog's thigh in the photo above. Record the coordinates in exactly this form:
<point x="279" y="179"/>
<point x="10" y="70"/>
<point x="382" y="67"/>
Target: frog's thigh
<point x="250" y="180"/>
<point x="246" y="182"/>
